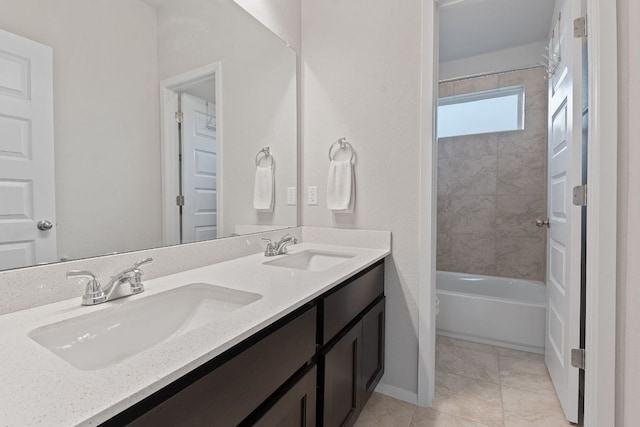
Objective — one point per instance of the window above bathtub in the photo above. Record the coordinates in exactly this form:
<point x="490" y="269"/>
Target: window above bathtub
<point x="495" y="110"/>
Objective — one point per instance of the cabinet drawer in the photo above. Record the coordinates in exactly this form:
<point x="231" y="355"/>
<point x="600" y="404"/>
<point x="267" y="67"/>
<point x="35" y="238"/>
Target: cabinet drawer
<point x="296" y="408"/>
<point x="231" y="392"/>
<point x="342" y="306"/>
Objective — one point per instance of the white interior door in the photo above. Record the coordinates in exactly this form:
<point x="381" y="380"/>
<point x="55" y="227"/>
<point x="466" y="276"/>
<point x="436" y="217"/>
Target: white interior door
<point x="199" y="170"/>
<point x="27" y="181"/>
<point x="563" y="237"/>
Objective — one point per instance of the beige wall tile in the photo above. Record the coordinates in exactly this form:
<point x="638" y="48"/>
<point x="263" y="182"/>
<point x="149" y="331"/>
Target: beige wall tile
<point x="473" y="254"/>
<point x="521" y="257"/>
<point x="535" y="85"/>
<point x="485" y="144"/>
<point x="475" y="84"/>
<point x="445" y="89"/>
<point x="516" y="215"/>
<point x="473" y="215"/>
<point x="445" y="214"/>
<point x="444" y="254"/>
<point x="495" y="186"/>
<point x="467" y="176"/>
<point x="518" y="142"/>
<point x="535" y="122"/>
<point x="521" y="173"/>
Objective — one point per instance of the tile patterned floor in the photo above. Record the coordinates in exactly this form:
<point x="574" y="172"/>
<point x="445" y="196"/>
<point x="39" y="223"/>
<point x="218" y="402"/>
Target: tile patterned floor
<point x="477" y="385"/>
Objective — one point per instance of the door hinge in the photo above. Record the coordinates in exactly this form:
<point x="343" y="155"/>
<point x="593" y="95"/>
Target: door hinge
<point x="180" y="200"/>
<point x="580" y="27"/>
<point x="179" y="117"/>
<point x="577" y="358"/>
<point x="580" y="195"/>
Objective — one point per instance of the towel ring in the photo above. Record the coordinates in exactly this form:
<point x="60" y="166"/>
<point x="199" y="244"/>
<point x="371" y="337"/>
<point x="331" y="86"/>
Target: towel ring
<point x="266" y="151"/>
<point x="344" y="145"/>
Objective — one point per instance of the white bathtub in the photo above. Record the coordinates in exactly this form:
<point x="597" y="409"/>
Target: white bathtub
<point x="492" y="310"/>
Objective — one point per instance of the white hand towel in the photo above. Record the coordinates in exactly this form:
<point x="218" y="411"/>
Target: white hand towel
<point x="263" y="189"/>
<point x="340" y="186"/>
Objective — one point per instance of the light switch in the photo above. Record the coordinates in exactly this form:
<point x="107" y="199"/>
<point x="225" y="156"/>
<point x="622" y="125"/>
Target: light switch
<point x="291" y="196"/>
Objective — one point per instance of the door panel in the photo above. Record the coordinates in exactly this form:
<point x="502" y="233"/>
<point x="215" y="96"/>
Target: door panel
<point x="199" y="183"/>
<point x="563" y="237"/>
<point x="297" y="408"/>
<point x="27" y="180"/>
<point x="372" y="349"/>
<point x="342" y="380"/>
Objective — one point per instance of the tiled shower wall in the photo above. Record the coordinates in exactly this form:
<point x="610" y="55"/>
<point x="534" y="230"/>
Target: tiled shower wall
<point x="492" y="187"/>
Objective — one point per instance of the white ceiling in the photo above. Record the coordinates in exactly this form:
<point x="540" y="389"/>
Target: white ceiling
<point x="474" y="27"/>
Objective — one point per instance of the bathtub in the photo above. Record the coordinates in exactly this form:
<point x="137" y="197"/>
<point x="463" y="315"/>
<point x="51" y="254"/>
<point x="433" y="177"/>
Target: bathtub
<point x="492" y="310"/>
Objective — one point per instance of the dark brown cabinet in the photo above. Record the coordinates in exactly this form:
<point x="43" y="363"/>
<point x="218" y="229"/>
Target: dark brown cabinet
<point x="296" y="408"/>
<point x="342" y="380"/>
<point x="315" y="367"/>
<point x="352" y="362"/>
<point x="231" y="392"/>
<point x="372" y="349"/>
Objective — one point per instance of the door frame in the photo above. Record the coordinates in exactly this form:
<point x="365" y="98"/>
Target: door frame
<point x="170" y="143"/>
<point x="601" y="211"/>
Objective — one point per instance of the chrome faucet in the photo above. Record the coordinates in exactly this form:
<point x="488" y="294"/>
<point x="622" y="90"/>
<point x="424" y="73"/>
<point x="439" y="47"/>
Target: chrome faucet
<point x="279" y="247"/>
<point x="96" y="294"/>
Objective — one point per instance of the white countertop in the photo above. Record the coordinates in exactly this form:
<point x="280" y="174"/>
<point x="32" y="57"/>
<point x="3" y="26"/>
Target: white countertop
<point x="39" y="389"/>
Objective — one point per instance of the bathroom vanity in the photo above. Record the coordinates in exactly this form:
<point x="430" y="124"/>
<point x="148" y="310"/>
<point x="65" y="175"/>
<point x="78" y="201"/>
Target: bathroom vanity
<point x="301" y="344"/>
<point x="334" y="344"/>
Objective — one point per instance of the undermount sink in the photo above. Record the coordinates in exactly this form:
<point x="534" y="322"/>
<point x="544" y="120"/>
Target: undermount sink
<point x="311" y="260"/>
<point x="102" y="339"/>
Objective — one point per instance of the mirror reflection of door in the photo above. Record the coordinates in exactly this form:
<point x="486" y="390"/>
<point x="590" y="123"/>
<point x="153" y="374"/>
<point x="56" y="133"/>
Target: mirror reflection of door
<point x="199" y="169"/>
<point x="27" y="189"/>
<point x="192" y="153"/>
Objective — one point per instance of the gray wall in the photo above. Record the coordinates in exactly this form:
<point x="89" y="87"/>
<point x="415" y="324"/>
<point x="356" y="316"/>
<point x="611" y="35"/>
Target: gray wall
<point x="491" y="188"/>
<point x="361" y="70"/>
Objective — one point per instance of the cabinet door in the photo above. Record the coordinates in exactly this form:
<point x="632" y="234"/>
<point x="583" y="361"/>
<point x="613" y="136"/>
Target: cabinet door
<point x="342" y="380"/>
<point x="372" y="349"/>
<point x="296" y="408"/>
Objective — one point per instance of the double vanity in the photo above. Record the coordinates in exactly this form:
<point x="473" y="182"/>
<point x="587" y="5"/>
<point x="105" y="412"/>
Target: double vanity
<point x="291" y="339"/>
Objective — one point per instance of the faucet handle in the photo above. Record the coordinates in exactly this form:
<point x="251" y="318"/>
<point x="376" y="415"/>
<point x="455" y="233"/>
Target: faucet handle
<point x="93" y="293"/>
<point x="141" y="263"/>
<point x="270" y="243"/>
<point x="136" y="279"/>
<point x="71" y="274"/>
<point x="270" y="250"/>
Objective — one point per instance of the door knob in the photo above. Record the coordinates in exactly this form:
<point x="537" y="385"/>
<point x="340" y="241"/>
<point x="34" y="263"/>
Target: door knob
<point x="44" y="225"/>
<point x="542" y="222"/>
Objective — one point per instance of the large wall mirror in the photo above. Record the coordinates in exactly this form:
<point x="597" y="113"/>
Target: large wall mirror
<point x="133" y="124"/>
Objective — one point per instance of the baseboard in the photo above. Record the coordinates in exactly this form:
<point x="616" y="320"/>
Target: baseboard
<point x="489" y="341"/>
<point x="397" y="393"/>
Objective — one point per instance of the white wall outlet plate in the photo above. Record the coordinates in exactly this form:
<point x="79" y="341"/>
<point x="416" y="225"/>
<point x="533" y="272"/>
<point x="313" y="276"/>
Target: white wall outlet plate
<point x="312" y="195"/>
<point x="291" y="196"/>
